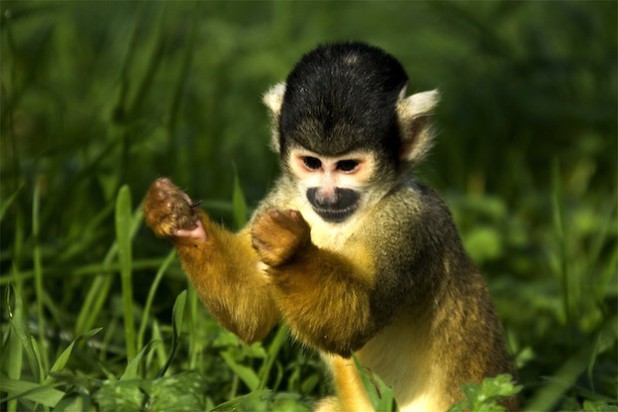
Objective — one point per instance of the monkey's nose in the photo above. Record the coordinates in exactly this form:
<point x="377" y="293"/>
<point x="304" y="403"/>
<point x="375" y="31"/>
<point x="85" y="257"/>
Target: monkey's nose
<point x="340" y="198"/>
<point x="326" y="199"/>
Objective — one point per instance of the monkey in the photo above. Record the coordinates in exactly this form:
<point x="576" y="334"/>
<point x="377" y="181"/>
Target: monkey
<point x="349" y="249"/>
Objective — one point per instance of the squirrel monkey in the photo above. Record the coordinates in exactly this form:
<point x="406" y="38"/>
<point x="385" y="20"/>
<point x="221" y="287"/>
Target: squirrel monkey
<point x="348" y="249"/>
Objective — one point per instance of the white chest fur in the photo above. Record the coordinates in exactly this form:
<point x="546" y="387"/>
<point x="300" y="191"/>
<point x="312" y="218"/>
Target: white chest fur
<point x="331" y="236"/>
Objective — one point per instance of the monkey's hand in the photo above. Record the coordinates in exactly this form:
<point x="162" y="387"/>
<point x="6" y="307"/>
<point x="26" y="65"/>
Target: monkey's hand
<point x="277" y="235"/>
<point x="170" y="213"/>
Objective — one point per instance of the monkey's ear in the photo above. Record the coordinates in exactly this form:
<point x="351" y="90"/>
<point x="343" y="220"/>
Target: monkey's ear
<point x="414" y="114"/>
<point x="273" y="99"/>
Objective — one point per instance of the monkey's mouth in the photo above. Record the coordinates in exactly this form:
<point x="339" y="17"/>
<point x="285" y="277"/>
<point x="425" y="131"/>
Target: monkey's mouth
<point x="334" y="215"/>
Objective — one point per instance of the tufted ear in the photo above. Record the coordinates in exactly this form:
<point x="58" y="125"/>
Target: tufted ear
<point x="414" y="114"/>
<point x="273" y="99"/>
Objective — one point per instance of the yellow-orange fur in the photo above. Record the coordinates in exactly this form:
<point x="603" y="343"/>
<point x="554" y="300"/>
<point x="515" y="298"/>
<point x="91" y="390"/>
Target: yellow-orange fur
<point x="319" y="281"/>
<point x="383" y="277"/>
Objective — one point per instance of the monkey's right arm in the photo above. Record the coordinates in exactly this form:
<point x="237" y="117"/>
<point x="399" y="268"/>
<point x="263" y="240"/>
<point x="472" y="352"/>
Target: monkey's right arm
<point x="222" y="266"/>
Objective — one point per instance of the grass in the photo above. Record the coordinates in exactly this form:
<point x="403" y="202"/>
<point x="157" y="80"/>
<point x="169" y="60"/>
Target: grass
<point x="96" y="313"/>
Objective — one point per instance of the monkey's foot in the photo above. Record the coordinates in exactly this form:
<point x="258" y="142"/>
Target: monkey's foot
<point x="276" y="235"/>
<point x="171" y="213"/>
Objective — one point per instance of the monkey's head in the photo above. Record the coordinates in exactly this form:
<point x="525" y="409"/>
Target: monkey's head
<point x="345" y="130"/>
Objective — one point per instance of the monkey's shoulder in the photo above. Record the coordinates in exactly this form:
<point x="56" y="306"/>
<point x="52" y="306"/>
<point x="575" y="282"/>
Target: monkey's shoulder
<point x="412" y="206"/>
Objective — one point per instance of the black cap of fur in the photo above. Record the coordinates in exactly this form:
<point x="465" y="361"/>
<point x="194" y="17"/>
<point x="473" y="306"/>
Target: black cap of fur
<point x="342" y="97"/>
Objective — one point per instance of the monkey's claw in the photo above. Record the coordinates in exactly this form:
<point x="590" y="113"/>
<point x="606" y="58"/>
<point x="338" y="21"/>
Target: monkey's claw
<point x="277" y="235"/>
<point x="170" y="212"/>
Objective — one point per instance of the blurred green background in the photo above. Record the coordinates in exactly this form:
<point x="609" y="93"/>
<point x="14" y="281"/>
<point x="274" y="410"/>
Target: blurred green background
<point x="97" y="96"/>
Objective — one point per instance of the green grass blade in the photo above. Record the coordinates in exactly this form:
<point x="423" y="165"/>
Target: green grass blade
<point x="151" y="294"/>
<point x="13" y="354"/>
<point x="607" y="282"/>
<point x="602" y="285"/>
<point x="20" y="329"/>
<point x="5" y="204"/>
<point x="565" y="377"/>
<point x="16" y="254"/>
<point x="91" y="270"/>
<point x="160" y="349"/>
<point x="123" y="238"/>
<point x="99" y="290"/>
<point x="127" y="62"/>
<point x="239" y="203"/>
<point x="560" y="236"/>
<point x="154" y="62"/>
<point x="240" y="403"/>
<point x="605" y="340"/>
<point x="78" y="244"/>
<point x="280" y="338"/>
<point x="248" y="376"/>
<point x="131" y="371"/>
<point x="38" y="272"/>
<point x="95" y="298"/>
<point x="183" y="76"/>
<point x="178" y="312"/>
<point x="45" y="395"/>
<point x="380" y="395"/>
<point x="195" y="344"/>
<point x="62" y="360"/>
<point x="177" y="317"/>
<point x="369" y="386"/>
<point x="37" y="358"/>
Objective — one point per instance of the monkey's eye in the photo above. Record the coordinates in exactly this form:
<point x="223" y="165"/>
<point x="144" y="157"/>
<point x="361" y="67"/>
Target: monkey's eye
<point x="347" y="166"/>
<point x="312" y="163"/>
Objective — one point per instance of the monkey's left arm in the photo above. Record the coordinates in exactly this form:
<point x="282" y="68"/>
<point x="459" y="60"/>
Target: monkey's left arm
<point x="324" y="296"/>
<point x="222" y="265"/>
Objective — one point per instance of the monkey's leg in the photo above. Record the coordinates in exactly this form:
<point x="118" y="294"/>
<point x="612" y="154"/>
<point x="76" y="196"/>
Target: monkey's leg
<point x="221" y="265"/>
<point x="351" y="394"/>
<point x="324" y="296"/>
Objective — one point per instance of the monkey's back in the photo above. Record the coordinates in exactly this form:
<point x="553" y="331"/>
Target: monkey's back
<point x="441" y="328"/>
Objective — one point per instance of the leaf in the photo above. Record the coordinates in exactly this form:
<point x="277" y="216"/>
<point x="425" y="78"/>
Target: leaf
<point x="12" y="354"/>
<point x="380" y="395"/>
<point x="21" y="330"/>
<point x="245" y="373"/>
<point x="178" y="312"/>
<point x="181" y="392"/>
<point x="62" y="360"/>
<point x="99" y="290"/>
<point x="46" y="395"/>
<point x="564" y="377"/>
<point x="250" y="402"/>
<point x="130" y="371"/>
<point x="274" y="348"/>
<point x="160" y="350"/>
<point x="151" y="294"/>
<point x="485" y="396"/>
<point x="7" y="203"/>
<point x="599" y="406"/>
<point x="37" y="258"/>
<point x="238" y="202"/>
<point x="123" y="237"/>
<point x="37" y="357"/>
<point x="120" y="396"/>
<point x="75" y="403"/>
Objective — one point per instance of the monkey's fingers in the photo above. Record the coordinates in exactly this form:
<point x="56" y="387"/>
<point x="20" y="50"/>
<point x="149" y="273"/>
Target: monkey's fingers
<point x="292" y="221"/>
<point x="267" y="253"/>
<point x="277" y="235"/>
<point x="197" y="232"/>
<point x="264" y="240"/>
<point x="170" y="212"/>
